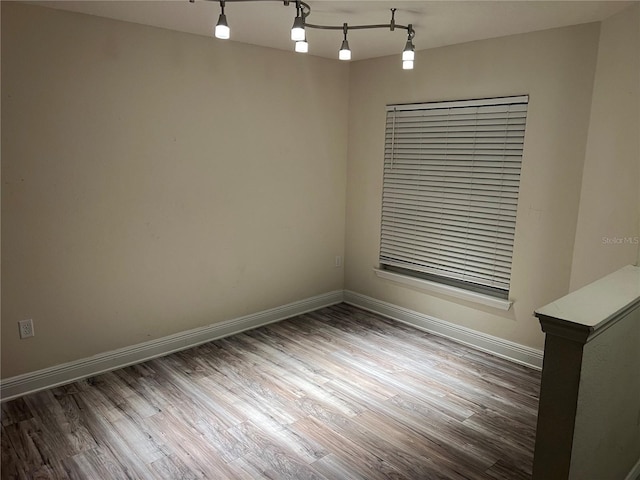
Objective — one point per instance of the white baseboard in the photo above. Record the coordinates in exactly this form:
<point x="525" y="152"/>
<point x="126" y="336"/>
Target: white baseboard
<point x="517" y="353"/>
<point x="17" y="386"/>
<point x="634" y="474"/>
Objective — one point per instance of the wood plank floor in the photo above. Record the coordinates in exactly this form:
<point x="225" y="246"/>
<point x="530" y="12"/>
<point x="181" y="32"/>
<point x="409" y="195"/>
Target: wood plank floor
<point x="335" y="394"/>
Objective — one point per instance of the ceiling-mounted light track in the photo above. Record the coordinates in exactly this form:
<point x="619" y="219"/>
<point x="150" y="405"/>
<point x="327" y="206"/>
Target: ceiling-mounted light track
<point x="298" y="34"/>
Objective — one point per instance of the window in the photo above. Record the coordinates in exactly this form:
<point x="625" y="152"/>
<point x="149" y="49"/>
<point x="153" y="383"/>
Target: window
<point x="450" y="192"/>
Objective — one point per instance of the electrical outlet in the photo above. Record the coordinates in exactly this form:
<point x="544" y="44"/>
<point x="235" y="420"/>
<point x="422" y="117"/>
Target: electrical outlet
<point x="26" y="328"/>
<point x="338" y="261"/>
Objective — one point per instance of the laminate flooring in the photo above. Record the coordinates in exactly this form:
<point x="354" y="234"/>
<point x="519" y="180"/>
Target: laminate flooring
<point x="339" y="393"/>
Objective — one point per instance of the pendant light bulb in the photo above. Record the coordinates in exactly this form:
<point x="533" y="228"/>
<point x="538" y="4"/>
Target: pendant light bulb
<point x="344" y="53"/>
<point x="297" y="31"/>
<point x="222" y="30"/>
<point x="409" y="54"/>
<point x="302" y="46"/>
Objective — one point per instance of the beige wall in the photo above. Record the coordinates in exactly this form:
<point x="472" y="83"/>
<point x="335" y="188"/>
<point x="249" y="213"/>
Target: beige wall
<point x="608" y="231"/>
<point x="155" y="181"/>
<point x="607" y="431"/>
<point x="556" y="69"/>
<point x="606" y="439"/>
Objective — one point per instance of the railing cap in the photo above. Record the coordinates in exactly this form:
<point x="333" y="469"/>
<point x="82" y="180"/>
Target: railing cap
<point x="587" y="312"/>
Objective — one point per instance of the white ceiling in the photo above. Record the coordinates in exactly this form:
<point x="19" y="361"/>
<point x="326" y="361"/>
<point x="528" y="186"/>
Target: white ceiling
<point x="437" y="23"/>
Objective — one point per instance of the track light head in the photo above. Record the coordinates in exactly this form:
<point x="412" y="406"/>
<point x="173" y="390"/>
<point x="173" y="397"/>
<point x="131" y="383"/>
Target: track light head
<point x="408" y="54"/>
<point x="222" y="29"/>
<point x="345" y="51"/>
<point x="297" y="31"/>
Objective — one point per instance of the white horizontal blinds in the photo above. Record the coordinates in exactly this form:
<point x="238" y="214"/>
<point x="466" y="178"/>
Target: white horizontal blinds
<point x="450" y="193"/>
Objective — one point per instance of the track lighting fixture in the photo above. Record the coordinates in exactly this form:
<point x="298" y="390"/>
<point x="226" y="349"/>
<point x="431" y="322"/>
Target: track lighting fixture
<point x="409" y="54"/>
<point x="345" y="52"/>
<point x="300" y="24"/>
<point x="222" y="30"/>
<point x="297" y="31"/>
<point x="409" y="50"/>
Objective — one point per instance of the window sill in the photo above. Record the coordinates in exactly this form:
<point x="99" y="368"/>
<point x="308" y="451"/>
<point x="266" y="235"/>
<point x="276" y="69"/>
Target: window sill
<point x="445" y="289"/>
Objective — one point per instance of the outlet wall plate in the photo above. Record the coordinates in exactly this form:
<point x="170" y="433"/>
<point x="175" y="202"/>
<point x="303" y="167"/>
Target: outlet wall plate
<point x="26" y="328"/>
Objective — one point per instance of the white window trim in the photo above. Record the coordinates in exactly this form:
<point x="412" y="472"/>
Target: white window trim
<point x="455" y="292"/>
